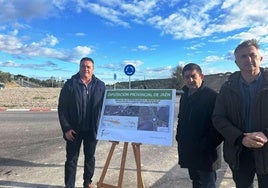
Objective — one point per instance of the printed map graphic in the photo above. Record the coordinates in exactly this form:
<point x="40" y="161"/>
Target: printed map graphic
<point x="146" y="118"/>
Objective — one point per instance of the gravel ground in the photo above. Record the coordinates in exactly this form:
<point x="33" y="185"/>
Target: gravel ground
<point x="25" y="98"/>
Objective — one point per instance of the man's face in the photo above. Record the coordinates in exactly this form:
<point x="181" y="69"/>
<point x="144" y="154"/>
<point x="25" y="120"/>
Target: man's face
<point x="86" y="69"/>
<point x="193" y="79"/>
<point x="248" y="59"/>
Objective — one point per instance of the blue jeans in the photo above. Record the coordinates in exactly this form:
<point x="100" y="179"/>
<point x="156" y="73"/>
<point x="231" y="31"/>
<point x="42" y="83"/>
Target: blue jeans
<point x="72" y="155"/>
<point x="244" y="176"/>
<point x="203" y="179"/>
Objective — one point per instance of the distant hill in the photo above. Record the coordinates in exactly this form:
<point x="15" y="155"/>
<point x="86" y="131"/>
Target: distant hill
<point x="213" y="81"/>
<point x="145" y="84"/>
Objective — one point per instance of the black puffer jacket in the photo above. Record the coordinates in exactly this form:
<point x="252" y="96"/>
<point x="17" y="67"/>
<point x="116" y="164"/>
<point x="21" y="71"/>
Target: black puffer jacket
<point x="228" y="120"/>
<point x="70" y="105"/>
<point x="198" y="140"/>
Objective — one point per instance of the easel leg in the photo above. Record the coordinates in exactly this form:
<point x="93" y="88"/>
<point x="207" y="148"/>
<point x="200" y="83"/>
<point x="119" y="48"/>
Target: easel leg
<point x="100" y="183"/>
<point x="136" y="151"/>
<point x="122" y="168"/>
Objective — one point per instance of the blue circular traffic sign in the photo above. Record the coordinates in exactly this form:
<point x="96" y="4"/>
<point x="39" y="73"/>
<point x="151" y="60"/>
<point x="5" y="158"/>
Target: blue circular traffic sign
<point x="129" y="70"/>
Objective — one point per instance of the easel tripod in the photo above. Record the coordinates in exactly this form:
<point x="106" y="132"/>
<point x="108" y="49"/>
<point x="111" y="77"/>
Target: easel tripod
<point x="136" y="151"/>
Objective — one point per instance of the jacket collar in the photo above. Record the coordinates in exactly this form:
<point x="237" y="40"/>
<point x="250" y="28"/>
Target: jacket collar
<point x="234" y="78"/>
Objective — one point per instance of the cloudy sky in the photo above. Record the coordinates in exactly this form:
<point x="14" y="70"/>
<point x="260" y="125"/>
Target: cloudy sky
<point x="45" y="38"/>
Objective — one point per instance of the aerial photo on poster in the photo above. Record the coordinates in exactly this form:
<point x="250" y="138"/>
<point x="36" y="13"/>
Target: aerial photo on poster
<point x="138" y="116"/>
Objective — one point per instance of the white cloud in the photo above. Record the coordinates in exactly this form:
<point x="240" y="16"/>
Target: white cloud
<point x="119" y="12"/>
<point x="10" y="44"/>
<point x="108" y="13"/>
<point x="50" y="40"/>
<point x="25" y="9"/>
<point x="120" y="65"/>
<point x="13" y="45"/>
<point x="139" y="8"/>
<point x="158" y="72"/>
<point x="80" y="34"/>
<point x="9" y="64"/>
<point x="229" y="3"/>
<point x="195" y="21"/>
<point x="135" y="63"/>
<point x="213" y="58"/>
<point x="195" y="46"/>
<point x="191" y="20"/>
<point x="83" y="50"/>
<point x="145" y="48"/>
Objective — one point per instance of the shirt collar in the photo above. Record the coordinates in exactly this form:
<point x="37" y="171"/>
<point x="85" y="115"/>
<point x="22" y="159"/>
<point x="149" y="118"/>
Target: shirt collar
<point x="258" y="78"/>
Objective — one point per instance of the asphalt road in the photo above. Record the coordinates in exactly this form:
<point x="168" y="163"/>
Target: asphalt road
<point x="32" y="154"/>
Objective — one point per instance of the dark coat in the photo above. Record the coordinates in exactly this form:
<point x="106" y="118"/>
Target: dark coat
<point x="70" y="106"/>
<point x="228" y="120"/>
<point x="198" y="140"/>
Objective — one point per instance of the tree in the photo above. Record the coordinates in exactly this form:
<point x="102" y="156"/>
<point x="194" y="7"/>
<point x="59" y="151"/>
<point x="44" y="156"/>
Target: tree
<point x="5" y="77"/>
<point x="176" y="77"/>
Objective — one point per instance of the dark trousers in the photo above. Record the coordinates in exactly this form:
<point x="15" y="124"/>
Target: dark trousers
<point x="203" y="179"/>
<point x="72" y="155"/>
<point x="244" y="176"/>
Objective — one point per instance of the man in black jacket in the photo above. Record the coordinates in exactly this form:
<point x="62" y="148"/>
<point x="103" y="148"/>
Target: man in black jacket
<point x="241" y="116"/>
<point x="79" y="109"/>
<point x="198" y="140"/>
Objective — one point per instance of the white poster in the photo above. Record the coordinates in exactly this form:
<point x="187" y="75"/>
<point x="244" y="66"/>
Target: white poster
<point x="138" y="116"/>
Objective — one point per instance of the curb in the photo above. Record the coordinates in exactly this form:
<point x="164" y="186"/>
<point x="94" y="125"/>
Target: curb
<point x="38" y="109"/>
<point x="2" y="109"/>
<point x="33" y="109"/>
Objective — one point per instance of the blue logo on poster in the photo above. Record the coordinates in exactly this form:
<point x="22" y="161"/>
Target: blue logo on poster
<point x="129" y="70"/>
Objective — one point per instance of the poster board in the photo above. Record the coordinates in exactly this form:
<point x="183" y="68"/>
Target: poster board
<point x="138" y="116"/>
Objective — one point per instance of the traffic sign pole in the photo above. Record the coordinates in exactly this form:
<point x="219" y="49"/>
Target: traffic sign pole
<point x="115" y="81"/>
<point x="129" y="83"/>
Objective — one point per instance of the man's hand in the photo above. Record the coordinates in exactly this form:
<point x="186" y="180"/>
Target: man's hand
<point x="254" y="140"/>
<point x="70" y="135"/>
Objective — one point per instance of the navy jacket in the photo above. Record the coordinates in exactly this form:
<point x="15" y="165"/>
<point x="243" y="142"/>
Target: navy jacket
<point x="198" y="140"/>
<point x="70" y="106"/>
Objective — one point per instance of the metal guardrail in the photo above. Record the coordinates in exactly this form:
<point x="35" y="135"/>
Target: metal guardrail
<point x="25" y="83"/>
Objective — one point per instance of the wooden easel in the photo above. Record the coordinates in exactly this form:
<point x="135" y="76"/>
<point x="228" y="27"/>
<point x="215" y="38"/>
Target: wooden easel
<point x="136" y="151"/>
